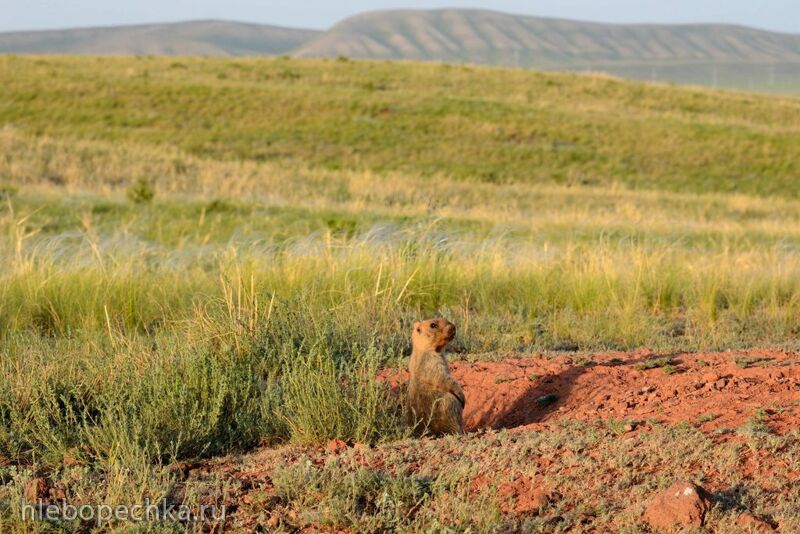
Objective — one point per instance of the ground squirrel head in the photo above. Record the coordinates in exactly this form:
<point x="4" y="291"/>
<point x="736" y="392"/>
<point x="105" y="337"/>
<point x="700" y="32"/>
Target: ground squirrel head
<point x="432" y="334"/>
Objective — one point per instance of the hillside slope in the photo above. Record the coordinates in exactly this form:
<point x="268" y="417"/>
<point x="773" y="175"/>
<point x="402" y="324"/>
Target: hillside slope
<point x="702" y="54"/>
<point x="200" y="38"/>
<point x="469" y="123"/>
<point x="496" y="38"/>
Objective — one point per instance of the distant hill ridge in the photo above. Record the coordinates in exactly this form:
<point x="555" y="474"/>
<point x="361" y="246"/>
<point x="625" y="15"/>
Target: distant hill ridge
<point x="707" y="54"/>
<point x="467" y="35"/>
<point x="196" y="38"/>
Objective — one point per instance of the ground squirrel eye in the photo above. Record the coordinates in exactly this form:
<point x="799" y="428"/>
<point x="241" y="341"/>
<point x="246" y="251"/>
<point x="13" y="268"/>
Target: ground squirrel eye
<point x="434" y="325"/>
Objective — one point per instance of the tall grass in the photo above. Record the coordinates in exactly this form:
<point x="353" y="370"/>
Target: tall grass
<point x="274" y="343"/>
<point x="372" y="282"/>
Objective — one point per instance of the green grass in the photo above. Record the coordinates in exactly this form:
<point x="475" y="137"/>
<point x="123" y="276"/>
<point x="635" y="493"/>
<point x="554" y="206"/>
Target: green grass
<point x="664" y="363"/>
<point x="744" y="362"/>
<point x="234" y="268"/>
<point x="476" y="124"/>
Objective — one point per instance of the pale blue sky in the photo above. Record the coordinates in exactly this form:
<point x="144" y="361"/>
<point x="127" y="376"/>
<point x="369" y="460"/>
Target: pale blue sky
<point x="779" y="15"/>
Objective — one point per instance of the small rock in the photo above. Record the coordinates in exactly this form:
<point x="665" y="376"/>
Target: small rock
<point x="682" y="505"/>
<point x="536" y="500"/>
<point x="199" y="471"/>
<point x="71" y="458"/>
<point x="523" y="497"/>
<point x="273" y="521"/>
<point x="335" y="446"/>
<point x="180" y="469"/>
<point x="710" y="377"/>
<point x="749" y="522"/>
<point x="720" y="384"/>
<point x="36" y="489"/>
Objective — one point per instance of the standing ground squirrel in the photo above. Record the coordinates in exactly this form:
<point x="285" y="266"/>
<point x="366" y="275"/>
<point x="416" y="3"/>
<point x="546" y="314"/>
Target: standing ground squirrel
<point x="435" y="400"/>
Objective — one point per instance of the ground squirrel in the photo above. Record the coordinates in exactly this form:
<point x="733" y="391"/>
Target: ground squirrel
<point x="435" y="400"/>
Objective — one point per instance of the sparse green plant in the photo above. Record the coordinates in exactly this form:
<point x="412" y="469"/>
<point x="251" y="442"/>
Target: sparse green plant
<point x="707" y="418"/>
<point x="670" y="369"/>
<point x="745" y="362"/>
<point x="621" y="426"/>
<point x="756" y="425"/>
<point x="141" y="191"/>
<point x="664" y="362"/>
<point x="503" y="380"/>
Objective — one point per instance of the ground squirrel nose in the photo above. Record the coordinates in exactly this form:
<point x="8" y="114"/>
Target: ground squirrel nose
<point x="450" y="330"/>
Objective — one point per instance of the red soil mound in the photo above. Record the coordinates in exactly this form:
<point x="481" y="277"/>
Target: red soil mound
<point x="534" y="478"/>
<point x="718" y="390"/>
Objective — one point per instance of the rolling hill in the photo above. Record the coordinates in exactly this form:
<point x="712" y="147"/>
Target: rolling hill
<point x="721" y="55"/>
<point x="469" y="123"/>
<point x="699" y="54"/>
<point x="460" y="35"/>
<point x="199" y="38"/>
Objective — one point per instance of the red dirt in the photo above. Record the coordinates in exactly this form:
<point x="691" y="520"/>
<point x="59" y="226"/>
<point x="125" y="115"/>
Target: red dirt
<point x="713" y="391"/>
<point x="711" y="387"/>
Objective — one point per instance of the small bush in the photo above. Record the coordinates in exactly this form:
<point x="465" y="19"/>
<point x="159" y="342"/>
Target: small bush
<point x="141" y="191"/>
<point x="200" y="403"/>
<point x="326" y="400"/>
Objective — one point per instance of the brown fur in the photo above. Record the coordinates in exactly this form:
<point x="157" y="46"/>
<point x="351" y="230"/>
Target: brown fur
<point x="435" y="400"/>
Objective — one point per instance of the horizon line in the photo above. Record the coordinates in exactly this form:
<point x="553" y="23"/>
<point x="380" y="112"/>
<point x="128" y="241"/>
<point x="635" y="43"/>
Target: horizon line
<point x="162" y="22"/>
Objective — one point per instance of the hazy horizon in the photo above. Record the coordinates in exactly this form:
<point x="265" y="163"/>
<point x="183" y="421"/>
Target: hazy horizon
<point x="774" y="15"/>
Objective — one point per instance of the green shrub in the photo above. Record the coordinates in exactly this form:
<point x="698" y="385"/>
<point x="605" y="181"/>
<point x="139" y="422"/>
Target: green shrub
<point x="328" y="399"/>
<point x="141" y="191"/>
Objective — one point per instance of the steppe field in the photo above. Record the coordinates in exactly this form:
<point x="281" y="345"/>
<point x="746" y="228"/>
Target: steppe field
<point x="209" y="269"/>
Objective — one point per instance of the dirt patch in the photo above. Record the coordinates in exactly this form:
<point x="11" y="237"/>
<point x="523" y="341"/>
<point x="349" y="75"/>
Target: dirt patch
<point x="714" y="391"/>
<point x="592" y="440"/>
